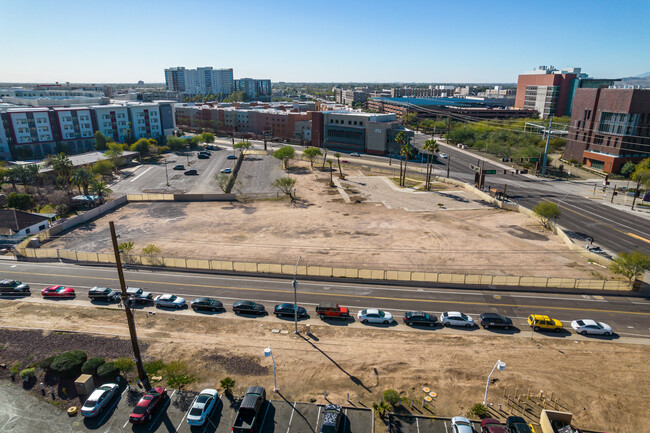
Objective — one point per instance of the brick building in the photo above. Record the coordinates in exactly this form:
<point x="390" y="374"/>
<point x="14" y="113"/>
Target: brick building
<point x="609" y="127"/>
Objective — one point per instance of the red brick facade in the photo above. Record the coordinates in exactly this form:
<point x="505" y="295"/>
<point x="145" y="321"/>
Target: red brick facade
<point x="561" y="80"/>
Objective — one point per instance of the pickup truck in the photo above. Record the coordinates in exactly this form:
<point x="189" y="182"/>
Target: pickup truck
<point x="248" y="416"/>
<point x="137" y="295"/>
<point x="332" y="309"/>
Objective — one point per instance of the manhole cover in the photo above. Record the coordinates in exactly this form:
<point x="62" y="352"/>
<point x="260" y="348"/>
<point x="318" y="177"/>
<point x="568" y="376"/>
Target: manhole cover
<point x="497" y="296"/>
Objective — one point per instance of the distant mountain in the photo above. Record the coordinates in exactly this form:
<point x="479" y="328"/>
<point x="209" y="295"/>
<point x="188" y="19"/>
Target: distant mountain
<point x="647" y="74"/>
<point x="643" y="82"/>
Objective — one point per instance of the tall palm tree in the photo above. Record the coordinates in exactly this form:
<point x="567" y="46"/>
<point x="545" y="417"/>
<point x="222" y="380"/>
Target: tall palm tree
<point x="81" y="178"/>
<point x="431" y="147"/>
<point x="338" y="158"/>
<point x="62" y="166"/>
<point x="13" y="177"/>
<point x="400" y="139"/>
<point x="100" y="189"/>
<point x="330" y="162"/>
<point x="34" y="176"/>
<point x="325" y="158"/>
<point x="23" y="174"/>
<point x="406" y="151"/>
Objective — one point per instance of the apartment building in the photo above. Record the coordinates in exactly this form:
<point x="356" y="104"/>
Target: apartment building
<point x="350" y="96"/>
<point x="199" y="81"/>
<point x="609" y="127"/>
<point x="255" y="89"/>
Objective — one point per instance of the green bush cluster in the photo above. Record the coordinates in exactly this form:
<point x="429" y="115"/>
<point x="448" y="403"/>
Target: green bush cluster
<point x="68" y="364"/>
<point x="91" y="366"/>
<point x="28" y="372"/>
<point x="108" y="371"/>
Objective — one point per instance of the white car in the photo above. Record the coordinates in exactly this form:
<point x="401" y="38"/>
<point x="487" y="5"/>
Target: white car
<point x="588" y="326"/>
<point x="460" y="424"/>
<point x="442" y="155"/>
<point x="168" y="300"/>
<point x="456" y="318"/>
<point x="373" y="315"/>
<point x="202" y="407"/>
<point x="98" y="399"/>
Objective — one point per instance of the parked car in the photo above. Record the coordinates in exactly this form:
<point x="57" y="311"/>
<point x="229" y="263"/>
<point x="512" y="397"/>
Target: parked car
<point x="138" y="295"/>
<point x="13" y="287"/>
<point x="332" y="309"/>
<point x="205" y="152"/>
<point x="442" y="155"/>
<point x="231" y="157"/>
<point x="179" y="167"/>
<point x="249" y="410"/>
<point x="191" y="172"/>
<point x="331" y="419"/>
<point x="58" y="292"/>
<point x="202" y="155"/>
<point x="206" y="304"/>
<point x="419" y="318"/>
<point x="170" y="301"/>
<point x="589" y="326"/>
<point x="460" y="424"/>
<point x="226" y="170"/>
<point x="540" y="322"/>
<point x="358" y="155"/>
<point x="491" y="425"/>
<point x="374" y="315"/>
<point x="203" y="406"/>
<point x="98" y="399"/>
<point x="147" y="405"/>
<point x="288" y="310"/>
<point x="248" y="307"/>
<point x="517" y="424"/>
<point x="493" y="320"/>
<point x="456" y="318"/>
<point x="103" y="294"/>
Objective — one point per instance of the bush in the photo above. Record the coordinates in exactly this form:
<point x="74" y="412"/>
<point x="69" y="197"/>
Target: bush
<point x="46" y="363"/>
<point x="227" y="384"/>
<point x="91" y="366"/>
<point x="68" y="364"/>
<point x="103" y="167"/>
<point x="108" y="371"/>
<point x="28" y="372"/>
<point x="479" y="410"/>
<point x="391" y="397"/>
<point x="153" y="367"/>
<point x="20" y="201"/>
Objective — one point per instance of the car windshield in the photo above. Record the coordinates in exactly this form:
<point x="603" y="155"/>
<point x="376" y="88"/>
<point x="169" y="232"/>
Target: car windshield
<point x="581" y="323"/>
<point x="203" y="398"/>
<point x="462" y="423"/>
<point x="364" y="312"/>
<point x="464" y="316"/>
<point x="90" y="403"/>
<point x="139" y="410"/>
<point x="381" y="313"/>
<point x="196" y="411"/>
<point x="172" y="298"/>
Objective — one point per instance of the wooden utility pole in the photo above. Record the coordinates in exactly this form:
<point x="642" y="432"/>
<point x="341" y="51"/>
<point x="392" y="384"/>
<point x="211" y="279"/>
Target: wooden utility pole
<point x="129" y="315"/>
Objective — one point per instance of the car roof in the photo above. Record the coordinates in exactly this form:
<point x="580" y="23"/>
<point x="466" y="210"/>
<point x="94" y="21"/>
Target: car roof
<point x="540" y="317"/>
<point x="589" y="322"/>
<point x="454" y="313"/>
<point x="416" y="313"/>
<point x="372" y="311"/>
<point x="96" y="394"/>
<point x="166" y="296"/>
<point x="495" y="315"/>
<point x="327" y="305"/>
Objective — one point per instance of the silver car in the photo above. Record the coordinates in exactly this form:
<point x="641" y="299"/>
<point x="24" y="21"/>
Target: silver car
<point x="374" y="315"/>
<point x="589" y="326"/>
<point x="99" y="399"/>
<point x="170" y="301"/>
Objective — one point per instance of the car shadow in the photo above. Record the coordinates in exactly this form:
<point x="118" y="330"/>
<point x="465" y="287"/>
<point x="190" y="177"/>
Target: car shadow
<point x="614" y="336"/>
<point x="267" y="425"/>
<point x="211" y="313"/>
<point x="390" y="324"/>
<point x="290" y="318"/>
<point x="425" y="327"/>
<point x="335" y="321"/>
<point x="502" y="331"/>
<point x="165" y="308"/>
<point x="14" y="296"/>
<point x="563" y="333"/>
<point x="101" y="302"/>
<point x="251" y="315"/>
<point x="212" y="423"/>
<point x="66" y="298"/>
<point x="463" y="328"/>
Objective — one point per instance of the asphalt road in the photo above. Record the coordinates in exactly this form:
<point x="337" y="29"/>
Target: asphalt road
<point x="629" y="316"/>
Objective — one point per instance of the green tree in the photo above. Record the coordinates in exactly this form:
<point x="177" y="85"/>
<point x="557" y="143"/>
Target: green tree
<point x="286" y="185"/>
<point x="100" y="141"/>
<point x="242" y="145"/>
<point x="311" y="153"/>
<point x="546" y="211"/>
<point x="81" y="178"/>
<point x="284" y="154"/>
<point x="62" y="167"/>
<point x="338" y="159"/>
<point x="642" y="176"/>
<point x="630" y="265"/>
<point x="22" y="172"/>
<point x="401" y="140"/>
<point x="99" y="188"/>
<point x="103" y="167"/>
<point x="381" y="408"/>
<point x="627" y="170"/>
<point x="479" y="410"/>
<point x="391" y="397"/>
<point x="21" y="201"/>
<point x="176" y="143"/>
<point x="431" y="147"/>
<point x="227" y="384"/>
<point x="91" y="366"/>
<point x="125" y="365"/>
<point x="207" y="137"/>
<point x="178" y="374"/>
<point x="33" y="171"/>
<point x="409" y="118"/>
<point x="142" y="146"/>
<point x="115" y="151"/>
<point x="153" y="253"/>
<point x="12" y="176"/>
<point x="222" y="180"/>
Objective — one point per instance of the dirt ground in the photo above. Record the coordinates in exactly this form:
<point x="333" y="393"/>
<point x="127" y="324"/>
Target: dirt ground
<point x="602" y="384"/>
<point x="324" y="230"/>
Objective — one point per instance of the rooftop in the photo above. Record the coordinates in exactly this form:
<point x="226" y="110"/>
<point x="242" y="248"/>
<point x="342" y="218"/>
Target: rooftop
<point x="12" y="221"/>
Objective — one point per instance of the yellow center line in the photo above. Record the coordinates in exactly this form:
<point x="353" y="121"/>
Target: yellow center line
<point x="639" y="237"/>
<point x="344" y="295"/>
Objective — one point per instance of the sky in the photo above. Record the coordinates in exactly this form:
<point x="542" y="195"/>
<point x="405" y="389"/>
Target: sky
<point x="433" y="41"/>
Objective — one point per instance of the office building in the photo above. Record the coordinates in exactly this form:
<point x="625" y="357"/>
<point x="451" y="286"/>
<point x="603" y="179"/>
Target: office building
<point x="255" y="90"/>
<point x="609" y="127"/>
<point x="199" y="81"/>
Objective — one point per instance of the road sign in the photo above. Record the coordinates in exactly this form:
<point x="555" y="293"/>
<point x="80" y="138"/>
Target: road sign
<point x="489" y="171"/>
<point x="474" y="167"/>
<point x="533" y="159"/>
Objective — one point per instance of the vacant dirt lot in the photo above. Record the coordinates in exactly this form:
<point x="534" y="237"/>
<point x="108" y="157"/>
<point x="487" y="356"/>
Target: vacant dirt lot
<point x="602" y="384"/>
<point x="324" y="230"/>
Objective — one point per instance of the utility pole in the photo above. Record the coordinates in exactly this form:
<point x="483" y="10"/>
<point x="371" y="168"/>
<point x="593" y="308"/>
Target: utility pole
<point x="548" y="139"/>
<point x="166" y="175"/>
<point x="129" y="315"/>
<point x="448" y="164"/>
<point x="294" y="283"/>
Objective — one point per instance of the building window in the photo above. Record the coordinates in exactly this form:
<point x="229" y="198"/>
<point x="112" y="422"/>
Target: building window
<point x="28" y="231"/>
<point x="41" y="227"/>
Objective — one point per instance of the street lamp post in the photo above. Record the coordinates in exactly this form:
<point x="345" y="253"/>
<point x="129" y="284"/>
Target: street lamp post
<point x="267" y="353"/>
<point x="294" y="283"/>
<point x="558" y="206"/>
<point x="499" y="365"/>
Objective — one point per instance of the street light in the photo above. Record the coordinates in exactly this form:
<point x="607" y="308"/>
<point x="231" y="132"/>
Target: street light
<point x="267" y="353"/>
<point x="294" y="283"/>
<point x="558" y="207"/>
<point x="499" y="365"/>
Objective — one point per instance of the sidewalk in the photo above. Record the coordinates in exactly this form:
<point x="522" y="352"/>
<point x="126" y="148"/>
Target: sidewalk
<point x="622" y="202"/>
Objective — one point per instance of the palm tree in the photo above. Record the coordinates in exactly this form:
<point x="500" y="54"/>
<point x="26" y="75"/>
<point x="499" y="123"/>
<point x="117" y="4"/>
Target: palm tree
<point x="330" y="162"/>
<point x="406" y="151"/>
<point x="13" y="177"/>
<point x="81" y="178"/>
<point x="62" y="166"/>
<point x="381" y="408"/>
<point x="22" y="173"/>
<point x="338" y="158"/>
<point x="34" y="175"/>
<point x="431" y="147"/>
<point x="400" y="139"/>
<point x="325" y="158"/>
<point x="100" y="189"/>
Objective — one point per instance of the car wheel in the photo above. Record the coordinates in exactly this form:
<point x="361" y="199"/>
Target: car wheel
<point x="447" y="324"/>
<point x="364" y="321"/>
<point x="583" y="332"/>
<point x="536" y="328"/>
<point x="607" y="334"/>
<point x="469" y="325"/>
<point x="385" y="322"/>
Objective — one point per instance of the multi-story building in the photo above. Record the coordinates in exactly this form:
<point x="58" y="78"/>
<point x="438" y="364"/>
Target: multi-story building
<point x="609" y="127"/>
<point x="351" y="96"/>
<point x="255" y="89"/>
<point x="199" y="81"/>
<point x="112" y="121"/>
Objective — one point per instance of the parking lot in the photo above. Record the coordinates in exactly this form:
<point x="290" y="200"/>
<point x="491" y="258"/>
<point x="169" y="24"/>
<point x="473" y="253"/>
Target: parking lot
<point x="153" y="178"/>
<point x="418" y="424"/>
<point x="256" y="174"/>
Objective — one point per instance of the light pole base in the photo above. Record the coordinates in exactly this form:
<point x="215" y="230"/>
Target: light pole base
<point x="296" y="332"/>
<point x="275" y="390"/>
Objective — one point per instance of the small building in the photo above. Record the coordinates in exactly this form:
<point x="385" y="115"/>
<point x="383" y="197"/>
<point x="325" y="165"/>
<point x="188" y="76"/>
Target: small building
<point x="16" y="224"/>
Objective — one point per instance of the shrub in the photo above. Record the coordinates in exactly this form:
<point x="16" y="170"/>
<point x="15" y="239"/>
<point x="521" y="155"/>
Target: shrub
<point x="108" y="371"/>
<point x="178" y="374"/>
<point x="28" y="372"/>
<point x="47" y="362"/>
<point x="391" y="397"/>
<point x="91" y="366"/>
<point x="227" y="384"/>
<point x="68" y="364"/>
<point x="125" y="365"/>
<point x="15" y="368"/>
<point x="479" y="410"/>
<point x="20" y="201"/>
<point x="153" y="367"/>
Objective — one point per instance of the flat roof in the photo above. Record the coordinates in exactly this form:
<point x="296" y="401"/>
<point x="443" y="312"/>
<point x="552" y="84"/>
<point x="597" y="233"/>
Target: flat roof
<point x="435" y="101"/>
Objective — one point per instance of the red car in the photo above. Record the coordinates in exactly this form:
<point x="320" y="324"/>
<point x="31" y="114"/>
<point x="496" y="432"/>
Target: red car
<point x="147" y="404"/>
<point x="58" y="292"/>
<point x="491" y="425"/>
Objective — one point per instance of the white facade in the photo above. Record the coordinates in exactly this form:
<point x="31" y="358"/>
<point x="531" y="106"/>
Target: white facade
<point x="145" y="121"/>
<point x="112" y="121"/>
<point x="74" y="124"/>
<point x="200" y="81"/>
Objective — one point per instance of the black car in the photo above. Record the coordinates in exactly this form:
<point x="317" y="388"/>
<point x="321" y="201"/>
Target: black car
<point x="331" y="419"/>
<point x="206" y="304"/>
<point x="13" y="287"/>
<point x="179" y="167"/>
<point x="517" y="424"/>
<point x="205" y="152"/>
<point x="203" y="156"/>
<point x="103" y="294"/>
<point x="191" y="172"/>
<point x="288" y="310"/>
<point x="231" y="157"/>
<point x="493" y="320"/>
<point x="419" y="318"/>
<point x="248" y="307"/>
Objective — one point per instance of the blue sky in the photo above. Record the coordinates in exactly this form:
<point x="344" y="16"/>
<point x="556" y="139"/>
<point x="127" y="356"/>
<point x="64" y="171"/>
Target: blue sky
<point x="321" y="40"/>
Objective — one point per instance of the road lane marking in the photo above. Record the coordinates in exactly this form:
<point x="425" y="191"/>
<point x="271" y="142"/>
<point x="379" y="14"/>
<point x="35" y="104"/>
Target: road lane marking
<point x="291" y="417"/>
<point x="186" y="413"/>
<point x="161" y="410"/>
<point x="136" y="178"/>
<point x="638" y="237"/>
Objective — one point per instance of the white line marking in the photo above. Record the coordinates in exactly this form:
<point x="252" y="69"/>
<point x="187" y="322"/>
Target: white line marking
<point x="446" y="430"/>
<point x="186" y="413"/>
<point x="291" y="417"/>
<point x="109" y="411"/>
<point x="318" y="415"/>
<point x="161" y="410"/>
<point x="136" y="178"/>
<point x="268" y="405"/>
<point x="124" y="426"/>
